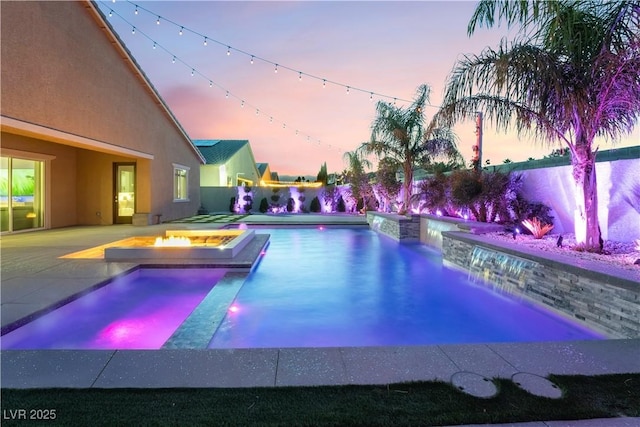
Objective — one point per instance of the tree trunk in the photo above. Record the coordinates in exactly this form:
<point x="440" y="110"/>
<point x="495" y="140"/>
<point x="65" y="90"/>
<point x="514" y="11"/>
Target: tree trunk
<point x="408" y="180"/>
<point x="586" y="225"/>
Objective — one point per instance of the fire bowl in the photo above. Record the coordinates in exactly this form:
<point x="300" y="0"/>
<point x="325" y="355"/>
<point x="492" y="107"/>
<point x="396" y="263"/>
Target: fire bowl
<point x="216" y="244"/>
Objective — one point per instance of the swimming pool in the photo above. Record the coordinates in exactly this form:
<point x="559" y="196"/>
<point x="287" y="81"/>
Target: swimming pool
<point x="138" y="311"/>
<point x="353" y="287"/>
<point x="313" y="287"/>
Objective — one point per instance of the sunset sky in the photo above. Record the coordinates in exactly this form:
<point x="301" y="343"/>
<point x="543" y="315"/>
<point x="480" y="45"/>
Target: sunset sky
<point x="388" y="48"/>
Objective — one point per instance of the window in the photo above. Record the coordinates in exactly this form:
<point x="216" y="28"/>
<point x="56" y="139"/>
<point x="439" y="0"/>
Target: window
<point x="180" y="183"/>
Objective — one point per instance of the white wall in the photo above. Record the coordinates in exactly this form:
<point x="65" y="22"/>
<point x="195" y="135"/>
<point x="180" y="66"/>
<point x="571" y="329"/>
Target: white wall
<point x="618" y="197"/>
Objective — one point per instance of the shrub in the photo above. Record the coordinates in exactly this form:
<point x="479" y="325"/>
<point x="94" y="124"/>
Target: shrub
<point x="315" y="205"/>
<point x="341" y="205"/>
<point x="537" y="228"/>
<point x="290" y="204"/>
<point x="264" y="205"/>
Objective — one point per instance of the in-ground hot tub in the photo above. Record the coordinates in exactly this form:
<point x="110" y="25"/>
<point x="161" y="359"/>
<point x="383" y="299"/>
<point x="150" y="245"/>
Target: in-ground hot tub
<point x="182" y="244"/>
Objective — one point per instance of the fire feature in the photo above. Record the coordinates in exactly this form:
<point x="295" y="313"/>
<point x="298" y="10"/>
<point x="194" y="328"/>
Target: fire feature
<point x="182" y="244"/>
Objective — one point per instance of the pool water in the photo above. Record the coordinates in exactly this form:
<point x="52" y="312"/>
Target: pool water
<point x="138" y="311"/>
<point x="353" y="287"/>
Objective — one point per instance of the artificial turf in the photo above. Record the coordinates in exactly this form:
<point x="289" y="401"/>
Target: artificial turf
<point x="418" y="403"/>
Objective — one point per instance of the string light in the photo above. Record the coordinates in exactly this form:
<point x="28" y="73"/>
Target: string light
<point x="348" y="88"/>
<point x="136" y="11"/>
<point x="253" y="57"/>
<point x="300" y="76"/>
<point x="276" y="69"/>
<point x="205" y="41"/>
<point x="211" y="82"/>
<point x="110" y="13"/>
<point x="133" y="30"/>
<point x="371" y="97"/>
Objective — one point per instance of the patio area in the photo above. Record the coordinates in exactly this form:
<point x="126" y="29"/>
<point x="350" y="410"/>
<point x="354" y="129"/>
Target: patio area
<point x="35" y="278"/>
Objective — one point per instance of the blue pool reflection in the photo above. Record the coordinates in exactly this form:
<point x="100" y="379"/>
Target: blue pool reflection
<point x="353" y="287"/>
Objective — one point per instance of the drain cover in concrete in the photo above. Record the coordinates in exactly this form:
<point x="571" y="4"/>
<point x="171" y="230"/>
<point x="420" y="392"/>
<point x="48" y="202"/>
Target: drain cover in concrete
<point x="537" y="385"/>
<point x="474" y="384"/>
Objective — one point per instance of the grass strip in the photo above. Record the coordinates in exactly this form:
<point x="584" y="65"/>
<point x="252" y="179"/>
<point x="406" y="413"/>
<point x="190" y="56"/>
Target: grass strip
<point x="417" y="403"/>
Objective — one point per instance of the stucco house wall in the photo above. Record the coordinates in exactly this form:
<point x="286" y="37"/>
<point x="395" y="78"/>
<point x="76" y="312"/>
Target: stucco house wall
<point x="70" y="89"/>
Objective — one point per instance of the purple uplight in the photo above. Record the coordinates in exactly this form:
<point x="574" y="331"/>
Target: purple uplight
<point x="321" y="228"/>
<point x="234" y="308"/>
<point x="439" y="212"/>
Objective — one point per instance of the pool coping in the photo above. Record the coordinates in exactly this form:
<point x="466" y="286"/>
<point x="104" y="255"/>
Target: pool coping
<point x="282" y="367"/>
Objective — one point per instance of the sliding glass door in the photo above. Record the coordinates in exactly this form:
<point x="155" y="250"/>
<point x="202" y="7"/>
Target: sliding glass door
<point x="21" y="194"/>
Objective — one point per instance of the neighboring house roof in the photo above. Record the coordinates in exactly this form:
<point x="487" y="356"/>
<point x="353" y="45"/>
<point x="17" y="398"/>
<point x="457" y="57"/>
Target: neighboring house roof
<point x="262" y="167"/>
<point x="218" y="151"/>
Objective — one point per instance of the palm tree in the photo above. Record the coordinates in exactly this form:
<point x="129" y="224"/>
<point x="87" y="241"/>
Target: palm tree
<point x="400" y="134"/>
<point x="356" y="176"/>
<point x="571" y="75"/>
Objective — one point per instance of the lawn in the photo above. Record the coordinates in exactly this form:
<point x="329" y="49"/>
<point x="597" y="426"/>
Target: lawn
<point x="417" y="403"/>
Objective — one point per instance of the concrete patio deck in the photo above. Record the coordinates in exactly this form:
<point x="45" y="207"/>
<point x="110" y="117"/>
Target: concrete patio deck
<point x="34" y="278"/>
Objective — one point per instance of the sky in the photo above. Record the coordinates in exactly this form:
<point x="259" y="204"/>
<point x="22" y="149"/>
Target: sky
<point x="366" y="51"/>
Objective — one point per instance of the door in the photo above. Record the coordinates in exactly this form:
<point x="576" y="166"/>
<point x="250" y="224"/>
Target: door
<point x="124" y="192"/>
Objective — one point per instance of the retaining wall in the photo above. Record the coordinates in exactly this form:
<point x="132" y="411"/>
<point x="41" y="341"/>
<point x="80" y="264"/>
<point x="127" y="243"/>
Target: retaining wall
<point x="603" y="297"/>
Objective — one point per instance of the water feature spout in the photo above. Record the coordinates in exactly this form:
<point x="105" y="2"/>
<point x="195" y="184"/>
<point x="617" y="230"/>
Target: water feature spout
<point x="503" y="272"/>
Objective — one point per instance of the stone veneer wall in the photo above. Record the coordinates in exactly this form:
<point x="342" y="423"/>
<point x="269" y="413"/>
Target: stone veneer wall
<point x="606" y="299"/>
<point x="398" y="227"/>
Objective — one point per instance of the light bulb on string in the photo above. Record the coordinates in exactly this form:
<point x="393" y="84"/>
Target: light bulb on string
<point x="270" y="119"/>
<point x="133" y="30"/>
<point x="158" y="21"/>
<point x="154" y="45"/>
<point x="242" y="104"/>
<point x="300" y="76"/>
<point x="136" y="11"/>
<point x="324" y="83"/>
<point x="110" y="13"/>
<point x="257" y="112"/>
<point x="180" y="32"/>
<point x="173" y="61"/>
<point x="205" y="41"/>
<point x="210" y="83"/>
<point x="284" y="126"/>
<point x="228" y="50"/>
<point x="252" y="59"/>
<point x="227" y="95"/>
<point x="193" y="72"/>
<point x="348" y="88"/>
<point x="371" y="97"/>
<point x="276" y="69"/>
